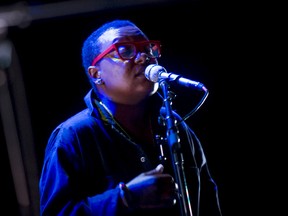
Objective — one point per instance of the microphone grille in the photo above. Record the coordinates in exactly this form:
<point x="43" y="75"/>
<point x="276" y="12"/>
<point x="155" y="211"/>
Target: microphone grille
<point x="152" y="72"/>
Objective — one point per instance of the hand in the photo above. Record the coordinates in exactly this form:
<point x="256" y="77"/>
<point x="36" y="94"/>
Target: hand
<point x="153" y="189"/>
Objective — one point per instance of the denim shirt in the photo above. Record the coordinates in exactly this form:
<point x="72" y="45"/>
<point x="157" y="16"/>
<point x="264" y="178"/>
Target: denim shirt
<point x="88" y="155"/>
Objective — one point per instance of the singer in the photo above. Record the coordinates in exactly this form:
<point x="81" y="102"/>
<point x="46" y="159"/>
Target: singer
<point x="105" y="160"/>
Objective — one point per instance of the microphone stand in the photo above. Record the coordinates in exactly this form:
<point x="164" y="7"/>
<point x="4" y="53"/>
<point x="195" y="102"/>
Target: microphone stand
<point x="176" y="154"/>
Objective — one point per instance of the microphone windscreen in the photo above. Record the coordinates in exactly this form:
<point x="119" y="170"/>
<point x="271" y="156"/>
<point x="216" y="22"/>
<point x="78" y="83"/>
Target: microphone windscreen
<point x="152" y="72"/>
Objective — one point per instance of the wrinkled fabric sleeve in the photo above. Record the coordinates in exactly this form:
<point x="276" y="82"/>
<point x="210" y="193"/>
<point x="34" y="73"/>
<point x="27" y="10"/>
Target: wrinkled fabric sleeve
<point x="61" y="191"/>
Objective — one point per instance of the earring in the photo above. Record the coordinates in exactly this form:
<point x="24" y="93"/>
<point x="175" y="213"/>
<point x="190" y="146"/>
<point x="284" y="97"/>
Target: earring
<point x="98" y="81"/>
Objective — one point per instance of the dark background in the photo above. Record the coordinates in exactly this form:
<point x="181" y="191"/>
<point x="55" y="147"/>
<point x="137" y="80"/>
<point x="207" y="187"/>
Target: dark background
<point x="212" y="42"/>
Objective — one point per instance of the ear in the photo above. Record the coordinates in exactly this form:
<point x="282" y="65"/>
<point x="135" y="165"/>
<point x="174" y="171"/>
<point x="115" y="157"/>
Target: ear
<point x="94" y="72"/>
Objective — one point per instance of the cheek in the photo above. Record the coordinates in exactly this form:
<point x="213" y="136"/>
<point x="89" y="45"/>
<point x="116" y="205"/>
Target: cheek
<point x="115" y="80"/>
<point x="111" y="73"/>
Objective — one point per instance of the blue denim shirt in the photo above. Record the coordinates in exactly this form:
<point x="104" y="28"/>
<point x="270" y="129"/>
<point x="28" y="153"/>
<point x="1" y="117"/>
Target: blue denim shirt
<point x="87" y="156"/>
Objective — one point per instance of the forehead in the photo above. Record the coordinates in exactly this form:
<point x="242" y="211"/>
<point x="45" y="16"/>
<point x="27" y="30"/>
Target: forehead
<point x="127" y="33"/>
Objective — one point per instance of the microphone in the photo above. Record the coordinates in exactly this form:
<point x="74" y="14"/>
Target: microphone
<point x="155" y="73"/>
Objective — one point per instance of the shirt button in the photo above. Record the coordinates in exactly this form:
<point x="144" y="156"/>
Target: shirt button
<point x="142" y="159"/>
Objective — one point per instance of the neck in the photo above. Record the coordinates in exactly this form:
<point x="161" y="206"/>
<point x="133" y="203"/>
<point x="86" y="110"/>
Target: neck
<point x="134" y="119"/>
<point x="126" y="112"/>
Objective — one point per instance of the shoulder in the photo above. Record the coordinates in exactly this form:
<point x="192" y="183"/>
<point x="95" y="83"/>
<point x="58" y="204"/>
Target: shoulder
<point x="76" y="132"/>
<point x="74" y="128"/>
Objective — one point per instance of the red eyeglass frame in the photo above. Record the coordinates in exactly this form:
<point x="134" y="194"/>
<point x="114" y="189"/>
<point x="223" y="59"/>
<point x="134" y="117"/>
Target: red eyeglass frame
<point x="114" y="47"/>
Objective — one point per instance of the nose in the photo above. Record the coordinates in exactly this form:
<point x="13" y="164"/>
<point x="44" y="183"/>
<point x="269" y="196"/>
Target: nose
<point x="144" y="58"/>
<point x="141" y="57"/>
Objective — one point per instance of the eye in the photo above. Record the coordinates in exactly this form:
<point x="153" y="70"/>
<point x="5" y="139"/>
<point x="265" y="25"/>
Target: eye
<point x="127" y="51"/>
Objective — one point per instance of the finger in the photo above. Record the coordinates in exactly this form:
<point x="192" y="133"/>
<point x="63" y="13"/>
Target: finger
<point x="159" y="169"/>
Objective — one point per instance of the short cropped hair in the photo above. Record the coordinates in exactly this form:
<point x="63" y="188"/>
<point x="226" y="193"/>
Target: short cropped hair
<point x="91" y="46"/>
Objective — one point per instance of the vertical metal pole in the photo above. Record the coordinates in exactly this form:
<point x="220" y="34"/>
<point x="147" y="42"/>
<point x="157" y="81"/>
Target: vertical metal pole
<point x="17" y="131"/>
<point x="176" y="155"/>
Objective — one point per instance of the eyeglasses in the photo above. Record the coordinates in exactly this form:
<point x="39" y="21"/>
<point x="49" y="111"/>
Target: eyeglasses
<point x="128" y="50"/>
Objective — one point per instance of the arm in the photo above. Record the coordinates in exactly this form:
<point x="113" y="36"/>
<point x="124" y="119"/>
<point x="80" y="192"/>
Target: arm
<point x="65" y="181"/>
